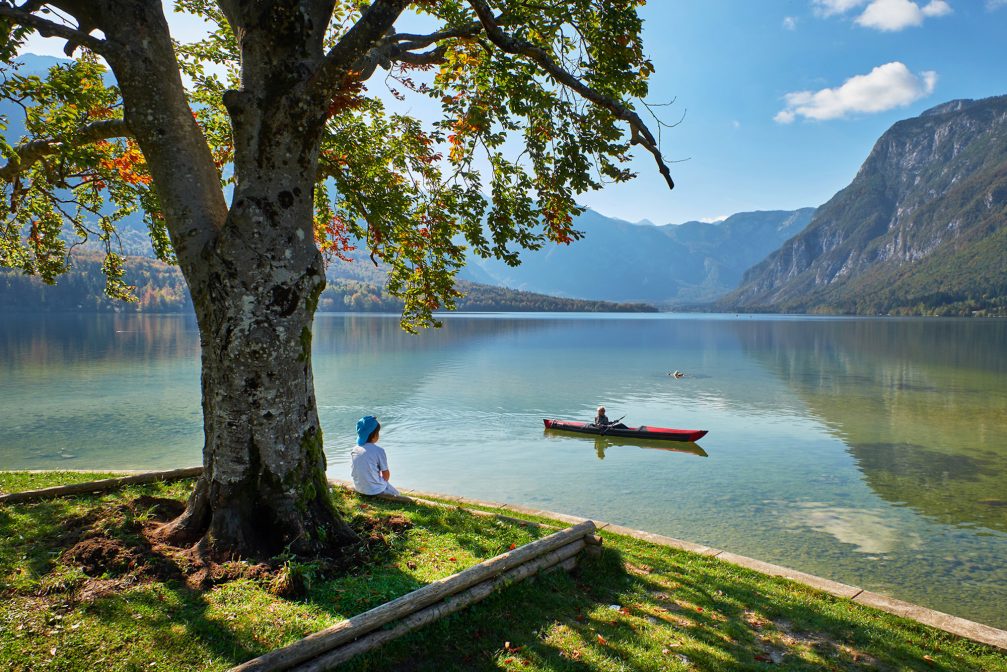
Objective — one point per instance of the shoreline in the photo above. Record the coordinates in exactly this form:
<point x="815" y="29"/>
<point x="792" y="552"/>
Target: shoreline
<point x="956" y="625"/>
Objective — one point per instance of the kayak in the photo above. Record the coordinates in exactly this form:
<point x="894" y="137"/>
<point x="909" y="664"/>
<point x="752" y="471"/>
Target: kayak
<point x="603" y="443"/>
<point x="641" y="432"/>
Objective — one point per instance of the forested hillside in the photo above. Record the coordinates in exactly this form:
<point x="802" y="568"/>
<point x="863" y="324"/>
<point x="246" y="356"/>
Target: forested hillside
<point x="161" y="288"/>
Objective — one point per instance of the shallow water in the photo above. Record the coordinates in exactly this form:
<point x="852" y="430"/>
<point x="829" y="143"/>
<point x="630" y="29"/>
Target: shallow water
<point x="869" y="451"/>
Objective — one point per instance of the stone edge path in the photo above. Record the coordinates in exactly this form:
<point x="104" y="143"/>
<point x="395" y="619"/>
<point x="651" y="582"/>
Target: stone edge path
<point x="955" y="625"/>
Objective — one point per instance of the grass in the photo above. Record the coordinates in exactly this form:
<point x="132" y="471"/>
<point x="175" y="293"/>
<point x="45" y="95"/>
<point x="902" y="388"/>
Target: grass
<point x="637" y="607"/>
<point x="18" y="481"/>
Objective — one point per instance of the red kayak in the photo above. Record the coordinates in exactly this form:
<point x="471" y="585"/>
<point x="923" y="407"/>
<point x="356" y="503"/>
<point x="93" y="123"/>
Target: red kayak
<point x="641" y="432"/>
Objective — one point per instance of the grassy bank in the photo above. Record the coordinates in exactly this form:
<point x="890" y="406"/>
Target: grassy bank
<point x="119" y="605"/>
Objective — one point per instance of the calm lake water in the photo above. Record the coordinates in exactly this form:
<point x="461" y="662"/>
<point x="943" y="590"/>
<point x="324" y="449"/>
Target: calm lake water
<point x="869" y="451"/>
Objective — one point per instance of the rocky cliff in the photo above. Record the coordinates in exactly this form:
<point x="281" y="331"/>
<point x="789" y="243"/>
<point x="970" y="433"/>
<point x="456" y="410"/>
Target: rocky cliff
<point x="921" y="229"/>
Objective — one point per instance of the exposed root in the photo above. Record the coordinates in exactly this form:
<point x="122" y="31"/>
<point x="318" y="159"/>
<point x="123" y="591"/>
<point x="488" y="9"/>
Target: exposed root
<point x="119" y="547"/>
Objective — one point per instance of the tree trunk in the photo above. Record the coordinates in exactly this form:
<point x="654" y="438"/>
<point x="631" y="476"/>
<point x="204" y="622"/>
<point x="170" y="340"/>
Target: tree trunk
<point x="253" y="269"/>
<point x="263" y="488"/>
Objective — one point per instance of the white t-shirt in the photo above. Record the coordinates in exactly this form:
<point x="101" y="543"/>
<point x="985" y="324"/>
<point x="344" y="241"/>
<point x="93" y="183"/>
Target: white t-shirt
<point x="366" y="464"/>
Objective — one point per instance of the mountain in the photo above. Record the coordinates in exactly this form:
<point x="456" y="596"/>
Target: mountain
<point x="668" y="265"/>
<point x="921" y="229"/>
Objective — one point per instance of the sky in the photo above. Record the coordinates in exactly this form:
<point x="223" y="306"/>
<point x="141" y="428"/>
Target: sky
<point x="780" y="101"/>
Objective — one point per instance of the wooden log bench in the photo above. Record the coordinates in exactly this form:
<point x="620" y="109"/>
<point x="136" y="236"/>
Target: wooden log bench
<point x="338" y="643"/>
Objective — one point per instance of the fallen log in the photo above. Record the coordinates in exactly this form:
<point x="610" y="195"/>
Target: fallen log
<point x="323" y="641"/>
<point x="564" y="558"/>
<point x="103" y="485"/>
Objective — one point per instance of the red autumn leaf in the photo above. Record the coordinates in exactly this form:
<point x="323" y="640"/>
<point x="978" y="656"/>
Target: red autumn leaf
<point x="602" y="640"/>
<point x="513" y="546"/>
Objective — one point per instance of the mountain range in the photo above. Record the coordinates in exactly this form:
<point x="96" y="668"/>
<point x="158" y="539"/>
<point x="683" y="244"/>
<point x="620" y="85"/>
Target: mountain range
<point x="920" y="229"/>
<point x="671" y="265"/>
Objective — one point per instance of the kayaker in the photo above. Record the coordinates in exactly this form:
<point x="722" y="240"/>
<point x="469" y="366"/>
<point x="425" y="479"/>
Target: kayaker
<point x="368" y="461"/>
<point x="601" y="420"/>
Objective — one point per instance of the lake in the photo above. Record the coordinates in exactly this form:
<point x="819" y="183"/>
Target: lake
<point x="868" y="451"/>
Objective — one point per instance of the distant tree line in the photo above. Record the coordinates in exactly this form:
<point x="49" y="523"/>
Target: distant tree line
<point x="159" y="288"/>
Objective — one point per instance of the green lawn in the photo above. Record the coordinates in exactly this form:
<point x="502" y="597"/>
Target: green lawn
<point x="637" y="607"/>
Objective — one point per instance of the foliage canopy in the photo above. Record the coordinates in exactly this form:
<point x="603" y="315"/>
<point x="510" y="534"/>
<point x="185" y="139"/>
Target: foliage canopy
<point x="533" y="103"/>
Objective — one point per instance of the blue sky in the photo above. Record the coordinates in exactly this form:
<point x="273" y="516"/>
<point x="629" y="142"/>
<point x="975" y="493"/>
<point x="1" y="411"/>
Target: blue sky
<point x="783" y="99"/>
<point x="731" y="63"/>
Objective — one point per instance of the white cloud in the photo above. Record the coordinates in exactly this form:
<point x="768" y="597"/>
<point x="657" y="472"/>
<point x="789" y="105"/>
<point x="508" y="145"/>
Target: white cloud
<point x="830" y="7"/>
<point x="893" y="15"/>
<point x="993" y="5"/>
<point x="889" y="15"/>
<point x="713" y="220"/>
<point x="937" y="8"/>
<point x="790" y="22"/>
<point x="885" y="87"/>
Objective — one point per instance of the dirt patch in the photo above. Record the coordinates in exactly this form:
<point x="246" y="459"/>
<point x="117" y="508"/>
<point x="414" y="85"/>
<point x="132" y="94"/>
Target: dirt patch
<point x="118" y="546"/>
<point x="396" y="523"/>
<point x="203" y="574"/>
<point x="98" y="556"/>
<point x="159" y="508"/>
<point x="381" y="526"/>
<point x="92" y="589"/>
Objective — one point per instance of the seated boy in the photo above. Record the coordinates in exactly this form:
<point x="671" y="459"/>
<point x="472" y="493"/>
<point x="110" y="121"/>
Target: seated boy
<point x="368" y="462"/>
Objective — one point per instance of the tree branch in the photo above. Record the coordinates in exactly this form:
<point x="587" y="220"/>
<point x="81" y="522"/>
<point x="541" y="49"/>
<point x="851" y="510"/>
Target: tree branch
<point x="30" y="152"/>
<point x="356" y="44"/>
<point x="47" y="28"/>
<point x="412" y="41"/>
<point x="639" y="133"/>
<point x="432" y="57"/>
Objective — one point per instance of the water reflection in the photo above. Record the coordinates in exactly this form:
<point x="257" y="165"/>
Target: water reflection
<point x="603" y="443"/>
<point x="55" y="341"/>
<point x="921" y="405"/>
<point x="869" y="531"/>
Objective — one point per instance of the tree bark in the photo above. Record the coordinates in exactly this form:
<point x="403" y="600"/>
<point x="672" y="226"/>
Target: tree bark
<point x="253" y="269"/>
<point x="264" y="487"/>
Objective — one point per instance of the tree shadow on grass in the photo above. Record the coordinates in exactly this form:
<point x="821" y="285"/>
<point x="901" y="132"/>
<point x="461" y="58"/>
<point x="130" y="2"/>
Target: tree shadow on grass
<point x="671" y="610"/>
<point x="387" y="577"/>
<point x="152" y="603"/>
<point x="663" y="609"/>
<point x="29" y="532"/>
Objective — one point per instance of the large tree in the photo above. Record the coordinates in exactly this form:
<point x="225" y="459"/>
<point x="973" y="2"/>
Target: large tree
<point x="536" y="103"/>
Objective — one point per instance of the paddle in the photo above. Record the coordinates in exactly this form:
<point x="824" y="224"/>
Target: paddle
<point x="605" y="428"/>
